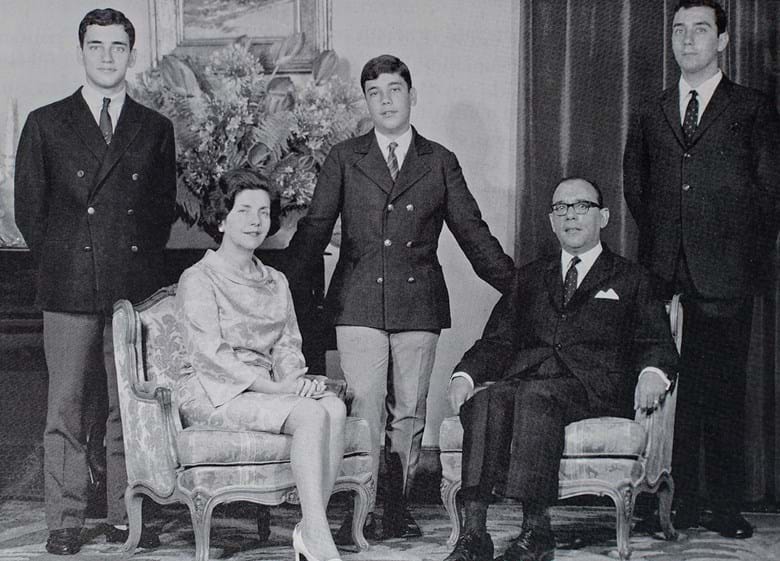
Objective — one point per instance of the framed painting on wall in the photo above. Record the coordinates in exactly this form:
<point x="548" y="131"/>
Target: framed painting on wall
<point x="197" y="27"/>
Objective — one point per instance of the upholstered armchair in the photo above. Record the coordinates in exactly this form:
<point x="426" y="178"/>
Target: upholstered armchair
<point x="607" y="456"/>
<point x="198" y="466"/>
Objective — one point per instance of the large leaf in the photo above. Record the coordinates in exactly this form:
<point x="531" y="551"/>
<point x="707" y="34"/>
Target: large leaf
<point x="273" y="132"/>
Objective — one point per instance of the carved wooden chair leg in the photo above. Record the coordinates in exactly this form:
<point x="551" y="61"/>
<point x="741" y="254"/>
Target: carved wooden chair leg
<point x="665" y="496"/>
<point x="624" y="504"/>
<point x="133" y="504"/>
<point x="263" y="522"/>
<point x="200" y="512"/>
<point x="360" y="513"/>
<point x="449" y="497"/>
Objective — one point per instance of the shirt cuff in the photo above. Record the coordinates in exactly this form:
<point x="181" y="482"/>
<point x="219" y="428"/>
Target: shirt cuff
<point x="647" y="370"/>
<point x="463" y="375"/>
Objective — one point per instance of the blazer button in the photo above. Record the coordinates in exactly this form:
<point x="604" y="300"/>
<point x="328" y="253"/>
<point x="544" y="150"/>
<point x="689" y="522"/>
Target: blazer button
<point x="380" y="280"/>
<point x="685" y="187"/>
<point x="135" y="177"/>
<point x="87" y="248"/>
<point x="410" y="207"/>
<point x="130" y="212"/>
<point x="91" y="210"/>
<point x="686" y="155"/>
<point x="410" y="279"/>
<point x="80" y="173"/>
<point x="409" y="244"/>
<point x="558" y="346"/>
<point x="390" y="207"/>
<point x="388" y="243"/>
<point x="134" y="248"/>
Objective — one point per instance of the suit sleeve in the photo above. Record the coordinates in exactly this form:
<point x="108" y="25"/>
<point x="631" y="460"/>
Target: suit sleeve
<point x="490" y="357"/>
<point x="766" y="150"/>
<point x="315" y="229"/>
<point x="473" y="235"/>
<point x="165" y="209"/>
<point x="31" y="187"/>
<point x="636" y="170"/>
<point x="652" y="344"/>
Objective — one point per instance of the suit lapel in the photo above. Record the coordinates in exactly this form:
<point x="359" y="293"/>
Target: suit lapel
<point x="82" y="122"/>
<point x="373" y="164"/>
<point x="670" y="105"/>
<point x="721" y="99"/>
<point x="415" y="165"/>
<point x="553" y="281"/>
<point x="126" y="130"/>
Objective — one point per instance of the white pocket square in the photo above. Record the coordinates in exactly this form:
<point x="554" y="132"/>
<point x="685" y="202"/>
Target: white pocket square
<point x="607" y="295"/>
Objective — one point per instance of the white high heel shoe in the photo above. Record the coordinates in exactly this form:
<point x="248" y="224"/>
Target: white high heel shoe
<point x="300" y="548"/>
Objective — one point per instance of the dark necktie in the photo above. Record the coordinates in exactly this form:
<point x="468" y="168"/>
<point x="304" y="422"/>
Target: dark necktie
<point x="392" y="161"/>
<point x="570" y="283"/>
<point x="105" y="121"/>
<point x="691" y="120"/>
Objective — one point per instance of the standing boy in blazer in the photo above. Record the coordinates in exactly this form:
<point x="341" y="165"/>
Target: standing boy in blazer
<point x="95" y="199"/>
<point x="702" y="180"/>
<point x="394" y="190"/>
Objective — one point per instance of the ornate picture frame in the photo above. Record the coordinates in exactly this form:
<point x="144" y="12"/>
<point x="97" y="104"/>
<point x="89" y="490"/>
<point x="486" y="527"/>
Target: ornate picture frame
<point x="197" y="27"/>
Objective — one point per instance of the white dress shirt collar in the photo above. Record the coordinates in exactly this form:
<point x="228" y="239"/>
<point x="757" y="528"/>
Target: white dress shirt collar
<point x="704" y="92"/>
<point x="94" y="101"/>
<point x="587" y="260"/>
<point x="403" y="141"/>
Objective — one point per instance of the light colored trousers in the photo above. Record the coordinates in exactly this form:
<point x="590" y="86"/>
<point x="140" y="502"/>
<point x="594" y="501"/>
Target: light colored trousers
<point x="393" y="403"/>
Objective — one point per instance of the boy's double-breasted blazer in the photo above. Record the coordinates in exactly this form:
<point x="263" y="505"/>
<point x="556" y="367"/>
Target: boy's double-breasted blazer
<point x="717" y="199"/>
<point x="610" y="330"/>
<point x="388" y="274"/>
<point x="96" y="217"/>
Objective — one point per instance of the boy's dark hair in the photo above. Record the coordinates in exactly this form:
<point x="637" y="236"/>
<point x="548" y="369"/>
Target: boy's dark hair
<point x="222" y="199"/>
<point x="599" y="194"/>
<point x="384" y="64"/>
<point x="721" y="20"/>
<point x="106" y="16"/>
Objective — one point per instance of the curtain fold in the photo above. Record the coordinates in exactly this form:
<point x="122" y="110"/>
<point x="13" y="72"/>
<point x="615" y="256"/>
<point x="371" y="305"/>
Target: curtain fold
<point x="583" y="67"/>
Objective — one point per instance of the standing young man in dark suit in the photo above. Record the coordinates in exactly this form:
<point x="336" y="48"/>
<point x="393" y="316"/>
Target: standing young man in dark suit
<point x="575" y="331"/>
<point x="394" y="190"/>
<point x="702" y="180"/>
<point x="95" y="199"/>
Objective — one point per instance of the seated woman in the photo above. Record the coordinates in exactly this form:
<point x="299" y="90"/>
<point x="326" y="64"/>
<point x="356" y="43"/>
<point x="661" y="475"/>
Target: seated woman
<point x="239" y="327"/>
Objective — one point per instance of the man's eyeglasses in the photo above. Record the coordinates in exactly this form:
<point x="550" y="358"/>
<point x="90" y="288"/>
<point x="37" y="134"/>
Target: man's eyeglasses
<point x="580" y="207"/>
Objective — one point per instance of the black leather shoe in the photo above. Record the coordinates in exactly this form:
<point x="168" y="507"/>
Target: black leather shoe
<point x="533" y="544"/>
<point x="686" y="516"/>
<point x="398" y="523"/>
<point x="149" y="538"/>
<point x="344" y="534"/>
<point x="730" y="526"/>
<point x="66" y="541"/>
<point x="472" y="546"/>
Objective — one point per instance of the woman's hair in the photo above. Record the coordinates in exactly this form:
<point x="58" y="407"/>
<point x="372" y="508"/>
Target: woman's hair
<point x="222" y="199"/>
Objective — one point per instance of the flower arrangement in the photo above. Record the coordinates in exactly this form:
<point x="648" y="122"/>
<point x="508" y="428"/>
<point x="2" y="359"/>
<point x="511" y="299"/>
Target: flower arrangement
<point x="228" y="111"/>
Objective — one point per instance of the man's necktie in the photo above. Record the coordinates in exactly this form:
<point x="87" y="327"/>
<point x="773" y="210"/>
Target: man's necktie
<point x="691" y="120"/>
<point x="105" y="121"/>
<point x="570" y="283"/>
<point x="392" y="161"/>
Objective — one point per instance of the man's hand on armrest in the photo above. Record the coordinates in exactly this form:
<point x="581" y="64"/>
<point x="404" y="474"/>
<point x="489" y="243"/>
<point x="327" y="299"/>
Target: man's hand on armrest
<point x="461" y="389"/>
<point x="651" y="389"/>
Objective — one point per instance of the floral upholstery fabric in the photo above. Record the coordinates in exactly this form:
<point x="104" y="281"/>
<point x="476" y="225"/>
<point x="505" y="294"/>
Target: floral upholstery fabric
<point x="205" y="445"/>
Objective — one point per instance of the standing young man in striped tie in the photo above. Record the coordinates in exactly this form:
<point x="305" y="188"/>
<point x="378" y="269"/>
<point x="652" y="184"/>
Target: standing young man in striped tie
<point x="702" y="180"/>
<point x="394" y="190"/>
<point x="95" y="200"/>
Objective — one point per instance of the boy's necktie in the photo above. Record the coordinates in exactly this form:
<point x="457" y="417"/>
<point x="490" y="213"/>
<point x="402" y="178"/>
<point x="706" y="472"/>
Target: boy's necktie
<point x="392" y="161"/>
<point x="691" y="120"/>
<point x="105" y="121"/>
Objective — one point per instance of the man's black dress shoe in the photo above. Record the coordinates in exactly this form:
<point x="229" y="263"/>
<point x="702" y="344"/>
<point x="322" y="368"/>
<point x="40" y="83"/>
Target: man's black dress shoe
<point x="398" y="523"/>
<point x="533" y="544"/>
<point x="344" y="534"/>
<point x="66" y="541"/>
<point x="686" y="516"/>
<point x="730" y="526"/>
<point x="472" y="546"/>
<point x="149" y="538"/>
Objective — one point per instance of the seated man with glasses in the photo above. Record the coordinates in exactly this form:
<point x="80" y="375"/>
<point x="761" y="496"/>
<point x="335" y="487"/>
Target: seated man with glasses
<point x="567" y="343"/>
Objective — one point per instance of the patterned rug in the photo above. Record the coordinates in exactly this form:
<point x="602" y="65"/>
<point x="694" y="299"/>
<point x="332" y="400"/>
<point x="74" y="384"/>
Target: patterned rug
<point x="582" y="534"/>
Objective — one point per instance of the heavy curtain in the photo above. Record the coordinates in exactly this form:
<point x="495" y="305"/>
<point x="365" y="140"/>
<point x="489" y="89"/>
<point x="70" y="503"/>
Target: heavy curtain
<point x="583" y="67"/>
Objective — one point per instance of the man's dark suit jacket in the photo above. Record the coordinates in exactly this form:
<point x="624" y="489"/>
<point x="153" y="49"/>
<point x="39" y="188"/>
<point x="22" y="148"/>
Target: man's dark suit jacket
<point x="719" y="197"/>
<point x="95" y="217"/>
<point x="605" y="343"/>
<point x="388" y="275"/>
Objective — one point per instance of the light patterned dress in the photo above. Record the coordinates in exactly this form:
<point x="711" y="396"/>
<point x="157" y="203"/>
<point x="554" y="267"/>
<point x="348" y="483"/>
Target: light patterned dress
<point x="236" y="326"/>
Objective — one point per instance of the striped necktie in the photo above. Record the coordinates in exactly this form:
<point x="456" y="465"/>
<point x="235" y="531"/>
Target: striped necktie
<point x="392" y="160"/>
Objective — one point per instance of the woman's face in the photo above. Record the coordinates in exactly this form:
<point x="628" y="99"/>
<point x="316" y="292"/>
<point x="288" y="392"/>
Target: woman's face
<point x="247" y="223"/>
